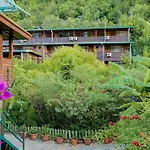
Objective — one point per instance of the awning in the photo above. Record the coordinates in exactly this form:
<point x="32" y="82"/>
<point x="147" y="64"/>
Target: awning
<point x="10" y="6"/>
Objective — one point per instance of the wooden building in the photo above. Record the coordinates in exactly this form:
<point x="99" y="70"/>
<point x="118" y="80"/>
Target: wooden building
<point x="9" y="31"/>
<point x="108" y="43"/>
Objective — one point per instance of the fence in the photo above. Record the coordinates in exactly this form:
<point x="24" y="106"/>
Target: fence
<point x="68" y="134"/>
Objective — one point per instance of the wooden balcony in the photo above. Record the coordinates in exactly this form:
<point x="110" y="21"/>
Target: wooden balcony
<point x="6" y="70"/>
<point x="70" y="40"/>
<point x="115" y="56"/>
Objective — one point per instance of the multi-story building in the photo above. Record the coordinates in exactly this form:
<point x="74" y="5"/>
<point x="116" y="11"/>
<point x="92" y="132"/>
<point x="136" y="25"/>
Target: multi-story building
<point x="108" y="43"/>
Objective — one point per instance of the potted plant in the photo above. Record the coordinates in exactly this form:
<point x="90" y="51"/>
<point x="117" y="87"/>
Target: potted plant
<point x="59" y="138"/>
<point x="74" y="140"/>
<point x="23" y="133"/>
<point x="45" y="133"/>
<point x="87" y="140"/>
<point x="33" y="133"/>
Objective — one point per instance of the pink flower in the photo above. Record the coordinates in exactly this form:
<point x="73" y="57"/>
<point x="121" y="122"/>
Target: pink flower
<point x="4" y="93"/>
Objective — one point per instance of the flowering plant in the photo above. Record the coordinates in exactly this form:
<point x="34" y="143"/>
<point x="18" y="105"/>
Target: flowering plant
<point x="130" y="131"/>
<point x="4" y="93"/>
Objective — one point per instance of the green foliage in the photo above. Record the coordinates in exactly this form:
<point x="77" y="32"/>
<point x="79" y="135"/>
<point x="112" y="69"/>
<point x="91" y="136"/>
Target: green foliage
<point x="45" y="130"/>
<point x="63" y="91"/>
<point x="33" y="130"/>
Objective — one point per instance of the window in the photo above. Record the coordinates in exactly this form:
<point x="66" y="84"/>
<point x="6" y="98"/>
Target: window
<point x="121" y="33"/>
<point x="116" y="49"/>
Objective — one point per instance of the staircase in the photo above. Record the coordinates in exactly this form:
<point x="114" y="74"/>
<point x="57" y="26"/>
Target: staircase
<point x="5" y="143"/>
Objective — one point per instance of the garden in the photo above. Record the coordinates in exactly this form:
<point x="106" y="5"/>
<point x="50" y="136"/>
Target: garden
<point x="75" y="96"/>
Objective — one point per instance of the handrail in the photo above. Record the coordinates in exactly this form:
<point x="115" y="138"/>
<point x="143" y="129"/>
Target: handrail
<point x="10" y="131"/>
<point x="12" y="121"/>
<point x="8" y="142"/>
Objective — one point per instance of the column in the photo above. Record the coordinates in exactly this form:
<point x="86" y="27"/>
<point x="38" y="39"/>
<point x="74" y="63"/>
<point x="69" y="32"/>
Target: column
<point x="1" y="74"/>
<point x="52" y="36"/>
<point x="95" y="32"/>
<point x="1" y="55"/>
<point x="129" y="34"/>
<point x="103" y="52"/>
<point x="10" y="46"/>
<point x="130" y="53"/>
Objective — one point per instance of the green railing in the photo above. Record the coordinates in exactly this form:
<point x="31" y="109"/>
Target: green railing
<point x="7" y="128"/>
<point x="68" y="134"/>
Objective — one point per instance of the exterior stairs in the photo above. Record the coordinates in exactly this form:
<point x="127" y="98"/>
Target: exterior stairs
<point x="5" y="143"/>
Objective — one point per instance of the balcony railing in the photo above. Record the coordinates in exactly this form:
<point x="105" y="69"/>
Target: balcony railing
<point x="70" y="40"/>
<point x="114" y="56"/>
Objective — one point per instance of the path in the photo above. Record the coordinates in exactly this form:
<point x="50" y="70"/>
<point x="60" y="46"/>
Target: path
<point x="51" y="145"/>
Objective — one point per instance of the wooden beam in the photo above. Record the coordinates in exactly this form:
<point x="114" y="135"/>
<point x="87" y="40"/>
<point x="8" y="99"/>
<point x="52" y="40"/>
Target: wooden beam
<point x="95" y="32"/>
<point x="20" y="31"/>
<point x="1" y="54"/>
<point x="10" y="46"/>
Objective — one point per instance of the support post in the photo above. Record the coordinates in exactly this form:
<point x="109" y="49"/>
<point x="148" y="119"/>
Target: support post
<point x="21" y="56"/>
<point x="129" y="34"/>
<point x="103" y="53"/>
<point x="52" y="36"/>
<point x="130" y="53"/>
<point x="1" y="54"/>
<point x="10" y="46"/>
<point x="95" y="32"/>
<point x="1" y="74"/>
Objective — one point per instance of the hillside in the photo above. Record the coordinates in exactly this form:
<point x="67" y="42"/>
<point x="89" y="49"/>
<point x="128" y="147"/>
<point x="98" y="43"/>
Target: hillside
<point x="89" y="13"/>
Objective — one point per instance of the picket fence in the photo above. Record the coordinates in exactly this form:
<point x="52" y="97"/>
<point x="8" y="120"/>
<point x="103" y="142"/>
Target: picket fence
<point x="67" y="134"/>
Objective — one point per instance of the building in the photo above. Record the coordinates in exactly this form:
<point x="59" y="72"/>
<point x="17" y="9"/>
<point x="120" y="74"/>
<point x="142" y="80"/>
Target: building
<point x="108" y="43"/>
<point x="9" y="31"/>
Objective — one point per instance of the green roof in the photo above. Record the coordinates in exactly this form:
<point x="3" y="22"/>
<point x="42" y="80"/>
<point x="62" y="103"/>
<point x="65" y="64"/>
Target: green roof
<point x="10" y="6"/>
<point x="88" y="28"/>
<point x="24" y="51"/>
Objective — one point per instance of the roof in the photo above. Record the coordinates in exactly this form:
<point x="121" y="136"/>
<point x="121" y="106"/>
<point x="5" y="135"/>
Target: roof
<point x="9" y="27"/>
<point x="90" y="28"/>
<point x="10" y="6"/>
<point x="24" y="51"/>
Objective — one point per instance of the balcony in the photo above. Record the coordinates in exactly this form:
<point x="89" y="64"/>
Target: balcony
<point x="70" y="40"/>
<point x="114" y="56"/>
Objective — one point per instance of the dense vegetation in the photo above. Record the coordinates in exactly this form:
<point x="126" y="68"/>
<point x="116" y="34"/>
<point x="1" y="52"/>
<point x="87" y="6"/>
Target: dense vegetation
<point x="89" y="13"/>
<point x="73" y="90"/>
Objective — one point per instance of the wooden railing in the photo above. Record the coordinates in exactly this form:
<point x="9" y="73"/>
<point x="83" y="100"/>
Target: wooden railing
<point x="115" y="56"/>
<point x="70" y="40"/>
<point x="6" y="70"/>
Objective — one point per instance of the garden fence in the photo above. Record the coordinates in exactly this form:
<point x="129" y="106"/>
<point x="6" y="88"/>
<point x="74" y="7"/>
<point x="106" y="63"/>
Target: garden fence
<point x="67" y="134"/>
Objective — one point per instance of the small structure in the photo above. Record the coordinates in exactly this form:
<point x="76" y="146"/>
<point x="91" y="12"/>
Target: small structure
<point x="9" y="30"/>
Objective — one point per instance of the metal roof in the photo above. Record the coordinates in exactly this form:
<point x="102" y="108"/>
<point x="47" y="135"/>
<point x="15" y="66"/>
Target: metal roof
<point x="24" y="51"/>
<point x="10" y="6"/>
<point x="88" y="28"/>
